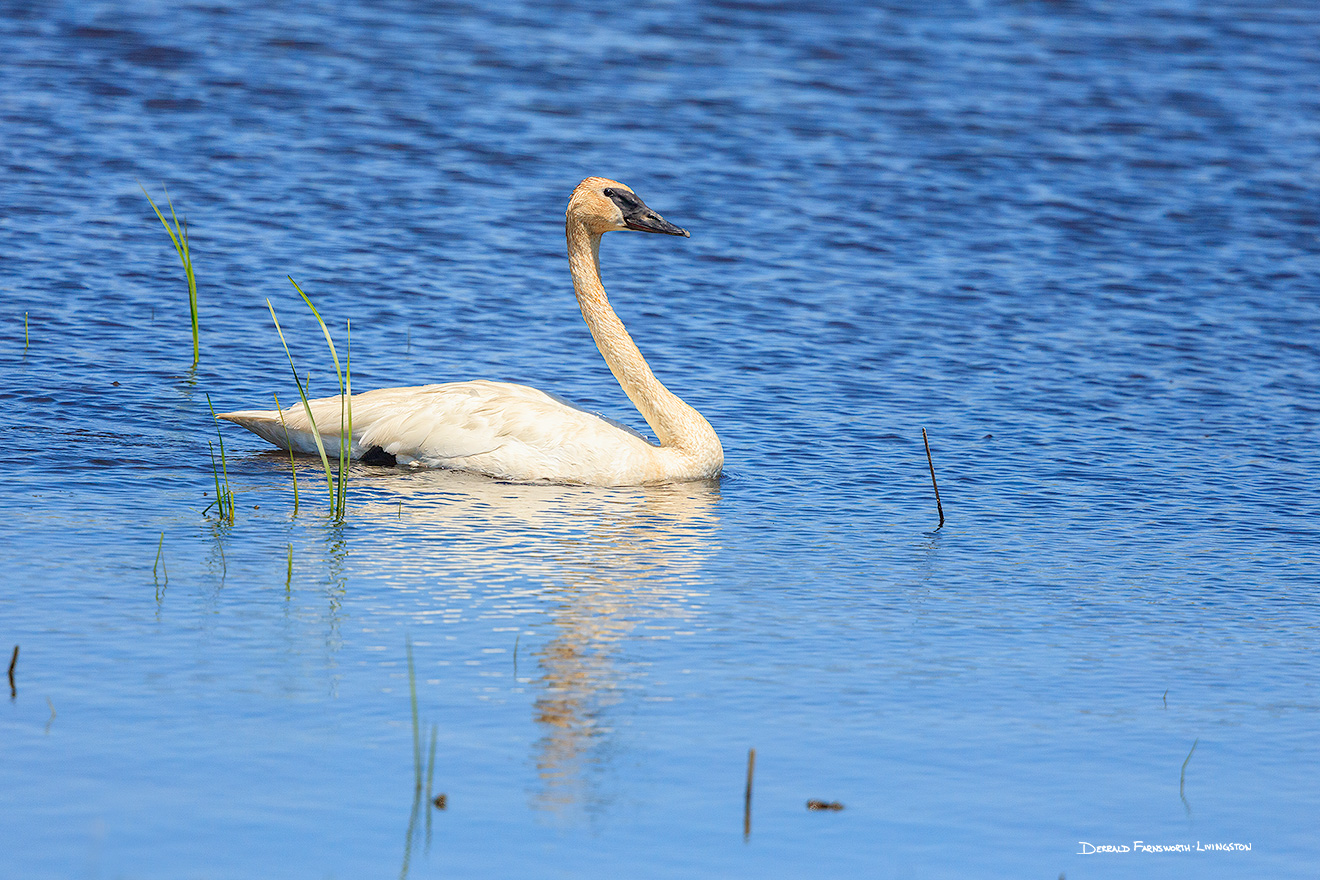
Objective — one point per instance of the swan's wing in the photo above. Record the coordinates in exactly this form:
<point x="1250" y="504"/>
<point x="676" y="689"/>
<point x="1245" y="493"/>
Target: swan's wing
<point x="498" y="428"/>
<point x="568" y="404"/>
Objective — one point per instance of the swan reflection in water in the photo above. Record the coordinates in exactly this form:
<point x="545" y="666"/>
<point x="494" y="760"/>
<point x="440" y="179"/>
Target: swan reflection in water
<point x="596" y="564"/>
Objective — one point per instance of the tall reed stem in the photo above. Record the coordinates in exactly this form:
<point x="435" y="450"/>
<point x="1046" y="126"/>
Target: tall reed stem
<point x="179" y="235"/>
<point x="289" y="443"/>
<point x="336" y="486"/>
<point x="224" y="497"/>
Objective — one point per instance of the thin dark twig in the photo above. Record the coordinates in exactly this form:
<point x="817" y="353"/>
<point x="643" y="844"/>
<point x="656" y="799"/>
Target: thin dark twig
<point x="747" y="796"/>
<point x="13" y="691"/>
<point x="934" y="485"/>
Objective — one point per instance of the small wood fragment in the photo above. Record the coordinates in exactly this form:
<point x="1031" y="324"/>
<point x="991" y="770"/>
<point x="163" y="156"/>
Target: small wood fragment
<point x="814" y="804"/>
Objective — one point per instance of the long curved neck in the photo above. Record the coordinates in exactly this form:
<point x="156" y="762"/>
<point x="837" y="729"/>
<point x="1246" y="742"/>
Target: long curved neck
<point x="675" y="423"/>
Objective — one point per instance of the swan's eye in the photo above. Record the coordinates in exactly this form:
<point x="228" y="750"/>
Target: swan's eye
<point x="625" y="200"/>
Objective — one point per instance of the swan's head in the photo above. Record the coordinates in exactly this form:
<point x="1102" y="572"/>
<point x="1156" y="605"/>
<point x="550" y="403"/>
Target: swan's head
<point x="604" y="205"/>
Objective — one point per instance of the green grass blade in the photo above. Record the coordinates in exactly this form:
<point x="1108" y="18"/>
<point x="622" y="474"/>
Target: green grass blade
<point x="345" y="440"/>
<point x="179" y="235"/>
<point x="177" y="246"/>
<point x="192" y="289"/>
<point x="227" y="509"/>
<point x="160" y="560"/>
<point x="215" y="472"/>
<point x="430" y="762"/>
<point x="289" y="442"/>
<point x="185" y="255"/>
<point x="307" y="407"/>
<point x="346" y="410"/>
<point x="324" y="330"/>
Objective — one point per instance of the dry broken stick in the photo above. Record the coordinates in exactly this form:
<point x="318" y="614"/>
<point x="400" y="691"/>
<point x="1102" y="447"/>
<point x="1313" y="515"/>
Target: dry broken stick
<point x="929" y="461"/>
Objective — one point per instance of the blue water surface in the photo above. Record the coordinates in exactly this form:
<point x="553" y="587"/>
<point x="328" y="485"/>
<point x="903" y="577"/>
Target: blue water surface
<point x="1074" y="241"/>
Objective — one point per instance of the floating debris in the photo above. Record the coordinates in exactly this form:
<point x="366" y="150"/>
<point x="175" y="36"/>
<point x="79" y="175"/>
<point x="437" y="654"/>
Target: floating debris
<point x="814" y="804"/>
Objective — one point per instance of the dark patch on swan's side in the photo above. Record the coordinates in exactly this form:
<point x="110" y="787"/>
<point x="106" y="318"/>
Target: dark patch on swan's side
<point x="376" y="455"/>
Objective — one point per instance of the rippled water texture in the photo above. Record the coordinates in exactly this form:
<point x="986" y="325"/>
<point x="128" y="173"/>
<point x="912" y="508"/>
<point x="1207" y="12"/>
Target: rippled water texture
<point x="1075" y="241"/>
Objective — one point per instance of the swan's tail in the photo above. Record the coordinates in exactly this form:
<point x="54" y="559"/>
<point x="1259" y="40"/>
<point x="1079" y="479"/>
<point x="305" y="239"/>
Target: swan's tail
<point x="266" y="424"/>
<point x="290" y="432"/>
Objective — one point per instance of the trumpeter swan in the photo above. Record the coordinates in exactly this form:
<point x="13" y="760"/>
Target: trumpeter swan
<point x="517" y="433"/>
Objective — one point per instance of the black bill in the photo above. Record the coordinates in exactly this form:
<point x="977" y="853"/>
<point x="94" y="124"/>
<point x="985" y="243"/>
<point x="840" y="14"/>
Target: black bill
<point x="637" y="216"/>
